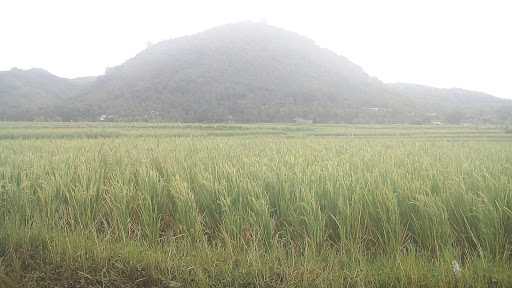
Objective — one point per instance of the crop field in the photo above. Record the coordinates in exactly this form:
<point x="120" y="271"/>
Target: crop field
<point x="193" y="205"/>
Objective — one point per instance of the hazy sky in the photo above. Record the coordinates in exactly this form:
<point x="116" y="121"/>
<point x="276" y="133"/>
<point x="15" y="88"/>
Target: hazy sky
<point x="448" y="43"/>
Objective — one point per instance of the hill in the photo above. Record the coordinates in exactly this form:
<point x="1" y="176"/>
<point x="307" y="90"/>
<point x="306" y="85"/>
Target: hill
<point x="32" y="94"/>
<point x="243" y="72"/>
<point x="454" y="105"/>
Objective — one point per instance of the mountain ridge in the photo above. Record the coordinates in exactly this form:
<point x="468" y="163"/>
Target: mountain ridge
<point x="245" y="72"/>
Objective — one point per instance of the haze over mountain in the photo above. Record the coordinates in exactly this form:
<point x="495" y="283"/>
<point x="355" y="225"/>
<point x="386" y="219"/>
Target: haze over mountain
<point x="455" y="105"/>
<point x="244" y="72"/>
<point x="30" y="94"/>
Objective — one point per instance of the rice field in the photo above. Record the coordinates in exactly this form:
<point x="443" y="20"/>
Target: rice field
<point x="192" y="205"/>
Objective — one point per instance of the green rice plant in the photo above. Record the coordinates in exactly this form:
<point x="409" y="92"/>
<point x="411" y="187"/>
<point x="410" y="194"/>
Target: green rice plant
<point x="256" y="205"/>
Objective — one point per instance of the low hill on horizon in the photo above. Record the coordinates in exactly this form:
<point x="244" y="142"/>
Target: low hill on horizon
<point x="243" y="72"/>
<point x="31" y="94"/>
<point x="455" y="105"/>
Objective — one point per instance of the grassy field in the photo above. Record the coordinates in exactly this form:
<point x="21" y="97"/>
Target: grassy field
<point x="175" y="205"/>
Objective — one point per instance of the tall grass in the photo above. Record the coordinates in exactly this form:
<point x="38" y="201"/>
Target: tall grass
<point x="260" y="211"/>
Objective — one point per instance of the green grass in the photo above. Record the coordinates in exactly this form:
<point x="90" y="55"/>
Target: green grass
<point x="193" y="205"/>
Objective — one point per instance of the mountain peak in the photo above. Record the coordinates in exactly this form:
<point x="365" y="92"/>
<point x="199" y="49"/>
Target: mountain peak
<point x="243" y="72"/>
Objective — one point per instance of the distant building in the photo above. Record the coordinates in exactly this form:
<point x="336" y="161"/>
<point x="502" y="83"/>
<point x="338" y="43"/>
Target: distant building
<point x="105" y="117"/>
<point x="299" y="120"/>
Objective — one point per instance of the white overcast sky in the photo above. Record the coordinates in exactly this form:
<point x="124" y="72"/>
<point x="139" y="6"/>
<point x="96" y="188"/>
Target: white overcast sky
<point x="450" y="43"/>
